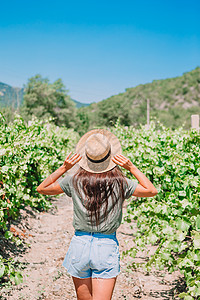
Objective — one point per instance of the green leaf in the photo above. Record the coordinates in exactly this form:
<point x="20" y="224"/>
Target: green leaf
<point x="196" y="256"/>
<point x="185" y="203"/>
<point x="182" y="224"/>
<point x="182" y="193"/>
<point x="180" y="235"/>
<point x="182" y="295"/>
<point x="2" y="269"/>
<point x="197" y="241"/>
<point x="194" y="181"/>
<point x="4" y="169"/>
<point x="1" y="214"/>
<point x="153" y="238"/>
<point x="188" y="298"/>
<point x="165" y="256"/>
<point x="198" y="222"/>
<point x="12" y="276"/>
<point x="18" y="278"/>
<point x="8" y="235"/>
<point x="197" y="291"/>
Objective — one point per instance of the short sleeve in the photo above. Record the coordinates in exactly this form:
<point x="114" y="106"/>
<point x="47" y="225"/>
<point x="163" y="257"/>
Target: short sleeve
<point x="65" y="185"/>
<point x="130" y="188"/>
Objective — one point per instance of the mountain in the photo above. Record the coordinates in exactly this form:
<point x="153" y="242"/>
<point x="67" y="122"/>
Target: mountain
<point x="80" y="104"/>
<point x="13" y="96"/>
<point x="10" y="96"/>
<point x="172" y="101"/>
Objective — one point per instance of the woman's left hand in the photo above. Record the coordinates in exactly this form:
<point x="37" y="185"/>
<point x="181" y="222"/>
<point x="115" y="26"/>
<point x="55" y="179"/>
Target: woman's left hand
<point x="71" y="161"/>
<point x="123" y="162"/>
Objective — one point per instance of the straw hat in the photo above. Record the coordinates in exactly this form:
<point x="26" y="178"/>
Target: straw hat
<point x="96" y="148"/>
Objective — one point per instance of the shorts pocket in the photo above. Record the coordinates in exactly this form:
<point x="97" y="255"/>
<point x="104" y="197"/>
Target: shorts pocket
<point x="108" y="254"/>
<point x="76" y="249"/>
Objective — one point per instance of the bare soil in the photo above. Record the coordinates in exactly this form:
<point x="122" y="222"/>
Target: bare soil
<point x="48" y="235"/>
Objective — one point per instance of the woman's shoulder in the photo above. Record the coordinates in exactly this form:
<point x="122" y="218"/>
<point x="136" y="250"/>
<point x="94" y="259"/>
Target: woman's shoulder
<point x="66" y="184"/>
<point x="130" y="186"/>
<point x="67" y="178"/>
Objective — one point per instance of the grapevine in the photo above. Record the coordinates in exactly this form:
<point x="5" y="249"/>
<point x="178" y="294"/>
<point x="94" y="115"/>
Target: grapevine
<point x="28" y="154"/>
<point x="171" y="219"/>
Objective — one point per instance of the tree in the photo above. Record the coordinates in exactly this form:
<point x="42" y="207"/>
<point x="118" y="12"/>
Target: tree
<point x="44" y="99"/>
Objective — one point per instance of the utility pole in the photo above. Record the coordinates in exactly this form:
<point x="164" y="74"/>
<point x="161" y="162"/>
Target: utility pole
<point x="17" y="90"/>
<point x="148" y="113"/>
<point x="18" y="98"/>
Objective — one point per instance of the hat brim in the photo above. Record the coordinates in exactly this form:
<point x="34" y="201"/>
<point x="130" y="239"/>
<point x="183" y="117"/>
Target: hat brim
<point x="104" y="166"/>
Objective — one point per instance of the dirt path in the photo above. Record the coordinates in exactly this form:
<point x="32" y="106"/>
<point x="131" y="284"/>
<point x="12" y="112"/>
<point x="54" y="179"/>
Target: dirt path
<point x="46" y="278"/>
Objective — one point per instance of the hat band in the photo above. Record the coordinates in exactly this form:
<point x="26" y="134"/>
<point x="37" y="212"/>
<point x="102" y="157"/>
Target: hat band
<point x="100" y="160"/>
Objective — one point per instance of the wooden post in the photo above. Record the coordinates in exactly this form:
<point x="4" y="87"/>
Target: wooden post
<point x="148" y="112"/>
<point x="195" y="122"/>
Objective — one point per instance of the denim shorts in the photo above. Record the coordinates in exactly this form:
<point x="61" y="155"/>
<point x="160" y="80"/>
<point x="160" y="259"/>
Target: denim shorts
<point x="93" y="255"/>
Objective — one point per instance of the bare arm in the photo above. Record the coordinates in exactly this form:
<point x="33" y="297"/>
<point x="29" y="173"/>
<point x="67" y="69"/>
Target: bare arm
<point x="145" y="188"/>
<point x="50" y="186"/>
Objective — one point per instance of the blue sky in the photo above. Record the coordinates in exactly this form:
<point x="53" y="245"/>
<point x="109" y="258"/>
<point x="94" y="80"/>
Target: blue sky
<point x="98" y="48"/>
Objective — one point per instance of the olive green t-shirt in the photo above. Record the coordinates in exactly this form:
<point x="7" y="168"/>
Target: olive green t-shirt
<point x="81" y="217"/>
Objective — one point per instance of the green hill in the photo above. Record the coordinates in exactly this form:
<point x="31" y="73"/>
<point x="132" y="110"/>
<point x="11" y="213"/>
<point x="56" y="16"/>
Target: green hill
<point x="172" y="101"/>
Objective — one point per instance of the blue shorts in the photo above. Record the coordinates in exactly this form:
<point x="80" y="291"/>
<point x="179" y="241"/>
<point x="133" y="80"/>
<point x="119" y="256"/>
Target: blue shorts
<point x="93" y="255"/>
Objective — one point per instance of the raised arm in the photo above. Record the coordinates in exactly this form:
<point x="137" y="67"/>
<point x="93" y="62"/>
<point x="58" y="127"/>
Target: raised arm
<point x="145" y="188"/>
<point x="50" y="186"/>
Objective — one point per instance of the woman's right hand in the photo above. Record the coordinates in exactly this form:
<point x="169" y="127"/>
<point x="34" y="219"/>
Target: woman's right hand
<point x="71" y="161"/>
<point x="123" y="162"/>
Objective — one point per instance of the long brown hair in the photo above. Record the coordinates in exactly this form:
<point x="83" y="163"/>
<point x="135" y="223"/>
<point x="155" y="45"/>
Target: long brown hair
<point x="97" y="188"/>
